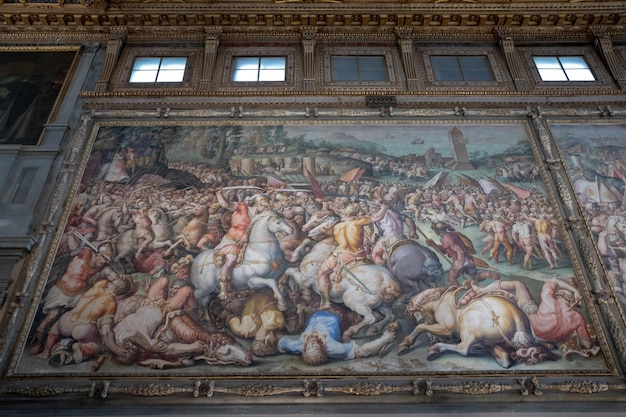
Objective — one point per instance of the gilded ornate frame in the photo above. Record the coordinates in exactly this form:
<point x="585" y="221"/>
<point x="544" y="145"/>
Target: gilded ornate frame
<point x="604" y="313"/>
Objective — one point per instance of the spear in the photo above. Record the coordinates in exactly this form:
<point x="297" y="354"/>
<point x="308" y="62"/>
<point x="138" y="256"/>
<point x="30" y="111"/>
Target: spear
<point x="433" y="246"/>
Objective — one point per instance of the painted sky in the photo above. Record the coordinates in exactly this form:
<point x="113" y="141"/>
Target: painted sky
<point x="600" y="134"/>
<point x="396" y="138"/>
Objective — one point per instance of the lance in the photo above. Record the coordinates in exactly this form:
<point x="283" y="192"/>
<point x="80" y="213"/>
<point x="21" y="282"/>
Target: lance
<point x="242" y="187"/>
<point x="434" y="246"/>
<point x="293" y="190"/>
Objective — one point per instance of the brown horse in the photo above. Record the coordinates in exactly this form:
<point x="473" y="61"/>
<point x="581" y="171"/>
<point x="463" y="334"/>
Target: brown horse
<point x="492" y="321"/>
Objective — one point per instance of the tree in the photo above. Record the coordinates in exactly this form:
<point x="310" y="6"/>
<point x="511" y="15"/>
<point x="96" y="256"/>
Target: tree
<point x="222" y="136"/>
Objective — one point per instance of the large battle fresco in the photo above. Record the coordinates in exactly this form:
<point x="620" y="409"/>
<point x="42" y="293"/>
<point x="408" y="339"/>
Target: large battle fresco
<point x="595" y="158"/>
<point x="320" y="249"/>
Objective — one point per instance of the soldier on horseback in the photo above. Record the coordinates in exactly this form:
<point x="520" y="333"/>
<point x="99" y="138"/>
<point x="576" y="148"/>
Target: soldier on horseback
<point x="228" y="250"/>
<point x="349" y="235"/>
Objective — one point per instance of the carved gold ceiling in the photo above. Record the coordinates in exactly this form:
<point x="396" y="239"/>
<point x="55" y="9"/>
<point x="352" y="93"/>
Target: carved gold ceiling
<point x="320" y="13"/>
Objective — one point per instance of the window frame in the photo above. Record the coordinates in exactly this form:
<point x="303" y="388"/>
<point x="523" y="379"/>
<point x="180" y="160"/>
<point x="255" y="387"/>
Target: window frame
<point x="259" y="68"/>
<point x="391" y="65"/>
<point x="359" y="68"/>
<point x="498" y="71"/>
<point x="603" y="78"/>
<point x="225" y="66"/>
<point x="131" y="53"/>
<point x="563" y="70"/>
<point x="463" y="70"/>
<point x="158" y="71"/>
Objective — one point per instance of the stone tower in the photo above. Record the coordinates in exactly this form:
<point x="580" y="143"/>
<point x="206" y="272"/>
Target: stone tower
<point x="460" y="159"/>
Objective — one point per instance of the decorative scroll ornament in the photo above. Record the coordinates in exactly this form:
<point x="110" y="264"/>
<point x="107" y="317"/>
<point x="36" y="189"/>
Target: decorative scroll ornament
<point x="544" y="137"/>
<point x="565" y="192"/>
<point x="475" y="388"/>
<point x="581" y="387"/>
<point x="151" y="390"/>
<point x="363" y="388"/>
<point x="616" y="330"/>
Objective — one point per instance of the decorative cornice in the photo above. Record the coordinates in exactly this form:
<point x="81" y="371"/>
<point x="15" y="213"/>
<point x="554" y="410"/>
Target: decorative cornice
<point x="268" y="14"/>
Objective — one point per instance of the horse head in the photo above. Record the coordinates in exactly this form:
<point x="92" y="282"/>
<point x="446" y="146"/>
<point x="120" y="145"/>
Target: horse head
<point x="324" y="226"/>
<point x="423" y="305"/>
<point x="198" y="210"/>
<point x="157" y="215"/>
<point x="222" y="349"/>
<point x="277" y="224"/>
<point x="315" y="219"/>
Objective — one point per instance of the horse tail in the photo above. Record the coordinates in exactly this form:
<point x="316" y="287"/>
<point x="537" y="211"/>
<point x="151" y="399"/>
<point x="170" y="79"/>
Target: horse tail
<point x="532" y="355"/>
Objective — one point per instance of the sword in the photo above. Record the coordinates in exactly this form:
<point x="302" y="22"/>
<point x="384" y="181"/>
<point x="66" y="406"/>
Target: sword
<point x="242" y="187"/>
<point x="88" y="243"/>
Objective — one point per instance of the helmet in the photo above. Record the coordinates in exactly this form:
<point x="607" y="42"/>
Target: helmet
<point x="280" y="197"/>
<point x="259" y="199"/>
<point x="352" y="209"/>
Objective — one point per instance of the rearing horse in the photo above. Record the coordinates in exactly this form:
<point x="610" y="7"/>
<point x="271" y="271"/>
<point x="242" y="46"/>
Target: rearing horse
<point x="262" y="265"/>
<point x="363" y="288"/>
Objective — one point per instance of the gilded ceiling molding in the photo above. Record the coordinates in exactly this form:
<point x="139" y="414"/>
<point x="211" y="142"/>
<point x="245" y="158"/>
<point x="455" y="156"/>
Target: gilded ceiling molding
<point x="317" y="13"/>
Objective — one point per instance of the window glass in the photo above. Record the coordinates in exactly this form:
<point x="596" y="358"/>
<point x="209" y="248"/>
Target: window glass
<point x="475" y="68"/>
<point x="564" y="68"/>
<point x="253" y="69"/>
<point x="172" y="70"/>
<point x="461" y="68"/>
<point x="358" y="68"/>
<point x="344" y="68"/>
<point x="157" y="69"/>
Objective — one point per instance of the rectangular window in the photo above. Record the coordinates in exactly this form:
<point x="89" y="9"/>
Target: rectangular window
<point x="358" y="68"/>
<point x="254" y="69"/>
<point x="563" y="68"/>
<point x="461" y="68"/>
<point x="159" y="70"/>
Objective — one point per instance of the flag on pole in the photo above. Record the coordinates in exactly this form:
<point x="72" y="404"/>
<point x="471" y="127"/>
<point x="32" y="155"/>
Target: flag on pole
<point x="352" y="175"/>
<point x="315" y="186"/>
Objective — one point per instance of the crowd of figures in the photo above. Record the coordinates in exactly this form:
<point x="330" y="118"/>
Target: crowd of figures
<point x="152" y="273"/>
<point x="598" y="175"/>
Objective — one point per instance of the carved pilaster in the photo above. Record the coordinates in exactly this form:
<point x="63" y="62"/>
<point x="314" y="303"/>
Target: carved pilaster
<point x="405" y="42"/>
<point x="114" y="47"/>
<point x="308" y="50"/>
<point x="605" y="46"/>
<point x="211" y="42"/>
<point x="513" y="60"/>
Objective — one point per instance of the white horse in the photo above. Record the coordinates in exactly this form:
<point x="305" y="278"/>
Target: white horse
<point x="262" y="265"/>
<point x="362" y="288"/>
